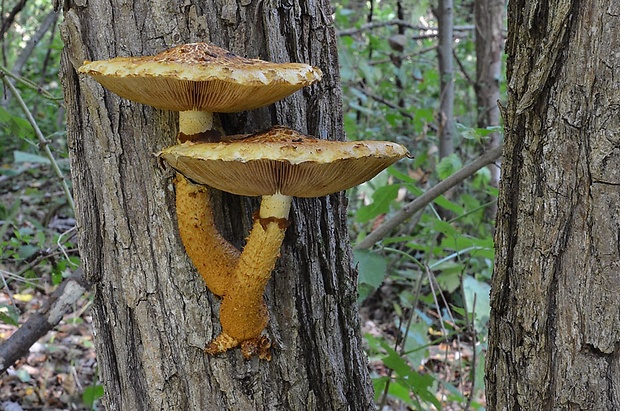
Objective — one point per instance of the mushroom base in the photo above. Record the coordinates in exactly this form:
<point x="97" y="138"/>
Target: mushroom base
<point x="260" y="346"/>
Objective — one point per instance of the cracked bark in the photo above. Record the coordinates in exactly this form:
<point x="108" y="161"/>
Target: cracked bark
<point x="152" y="312"/>
<point x="555" y="326"/>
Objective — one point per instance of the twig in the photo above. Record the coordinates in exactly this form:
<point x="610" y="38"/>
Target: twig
<point x="10" y="18"/>
<point x="43" y="144"/>
<point x="396" y="22"/>
<point x="60" y="302"/>
<point x="419" y="203"/>
<point x="381" y="100"/>
<point x="471" y="82"/>
<point x="6" y="72"/>
<point x="407" y="56"/>
<point x="18" y="277"/>
<point x="472" y="330"/>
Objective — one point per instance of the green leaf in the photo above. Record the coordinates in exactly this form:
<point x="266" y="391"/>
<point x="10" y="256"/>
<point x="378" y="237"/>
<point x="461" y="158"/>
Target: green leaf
<point x="448" y="166"/>
<point x="91" y="394"/>
<point x="442" y="202"/>
<point x="382" y="199"/>
<point x="9" y="315"/>
<point x="418" y="383"/>
<point x="450" y="277"/>
<point x="23" y="157"/>
<point x="473" y="288"/>
<point x="5" y="117"/>
<point x="393" y="171"/>
<point x="372" y="270"/>
<point x="477" y="134"/>
<point x="402" y="392"/>
<point x="416" y="343"/>
<point x="21" y="128"/>
<point x="23" y="375"/>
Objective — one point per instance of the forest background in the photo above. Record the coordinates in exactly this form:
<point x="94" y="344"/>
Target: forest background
<point x="412" y="72"/>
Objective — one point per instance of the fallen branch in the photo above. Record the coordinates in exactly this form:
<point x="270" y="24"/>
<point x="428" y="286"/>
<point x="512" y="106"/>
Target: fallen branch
<point x="419" y="203"/>
<point x="59" y="303"/>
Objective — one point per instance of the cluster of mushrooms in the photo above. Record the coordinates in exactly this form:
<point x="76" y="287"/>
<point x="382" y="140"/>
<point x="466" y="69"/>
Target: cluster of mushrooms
<point x="197" y="80"/>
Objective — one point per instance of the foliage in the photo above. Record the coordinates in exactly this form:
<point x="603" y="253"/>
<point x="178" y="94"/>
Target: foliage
<point x="37" y="231"/>
<point x="430" y="280"/>
<point x="423" y="292"/>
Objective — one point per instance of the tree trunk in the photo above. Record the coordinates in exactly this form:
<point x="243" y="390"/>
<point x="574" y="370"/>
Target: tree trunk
<point x="445" y="23"/>
<point x="152" y="312"/>
<point x="554" y="334"/>
<point x="489" y="45"/>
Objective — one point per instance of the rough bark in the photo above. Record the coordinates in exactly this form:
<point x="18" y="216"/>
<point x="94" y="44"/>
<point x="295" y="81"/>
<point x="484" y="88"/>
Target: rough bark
<point x="554" y="335"/>
<point x="489" y="46"/>
<point x="152" y="313"/>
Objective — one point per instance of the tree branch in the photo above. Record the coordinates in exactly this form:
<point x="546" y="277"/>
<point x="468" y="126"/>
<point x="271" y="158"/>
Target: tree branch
<point x="419" y="203"/>
<point x="381" y="100"/>
<point x="10" y="18"/>
<point x="59" y="303"/>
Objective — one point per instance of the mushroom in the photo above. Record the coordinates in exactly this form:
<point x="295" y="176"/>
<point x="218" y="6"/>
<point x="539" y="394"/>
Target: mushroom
<point x="200" y="79"/>
<point x="197" y="80"/>
<point x="277" y="164"/>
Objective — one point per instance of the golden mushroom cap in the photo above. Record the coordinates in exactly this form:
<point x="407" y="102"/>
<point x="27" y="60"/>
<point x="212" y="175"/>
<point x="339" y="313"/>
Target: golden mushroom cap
<point x="281" y="160"/>
<point x="202" y="77"/>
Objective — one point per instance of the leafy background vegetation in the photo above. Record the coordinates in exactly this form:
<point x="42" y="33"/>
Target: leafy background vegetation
<point x="423" y="290"/>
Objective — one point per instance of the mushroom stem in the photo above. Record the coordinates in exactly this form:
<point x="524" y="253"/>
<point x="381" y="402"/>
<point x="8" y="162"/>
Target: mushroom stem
<point x="243" y="313"/>
<point x="195" y="122"/>
<point x="214" y="257"/>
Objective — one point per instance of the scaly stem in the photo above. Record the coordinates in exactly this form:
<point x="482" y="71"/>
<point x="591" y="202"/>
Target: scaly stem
<point x="214" y="257"/>
<point x="243" y="312"/>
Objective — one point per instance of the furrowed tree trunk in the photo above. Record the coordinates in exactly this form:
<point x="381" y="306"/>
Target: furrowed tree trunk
<point x="152" y="312"/>
<point x="554" y="338"/>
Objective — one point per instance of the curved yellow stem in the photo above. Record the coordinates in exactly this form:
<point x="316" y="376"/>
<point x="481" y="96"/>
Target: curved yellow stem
<point x="214" y="257"/>
<point x="243" y="313"/>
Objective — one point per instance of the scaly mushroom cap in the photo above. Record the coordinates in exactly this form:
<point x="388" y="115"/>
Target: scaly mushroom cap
<point x="281" y="160"/>
<point x="201" y="77"/>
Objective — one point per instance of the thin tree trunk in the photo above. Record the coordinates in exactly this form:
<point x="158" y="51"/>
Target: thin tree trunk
<point x="445" y="24"/>
<point x="152" y="312"/>
<point x="489" y="45"/>
<point x="554" y="334"/>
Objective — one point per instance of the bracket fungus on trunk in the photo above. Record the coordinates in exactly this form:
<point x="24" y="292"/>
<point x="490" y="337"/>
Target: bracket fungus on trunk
<point x="197" y="80"/>
<point x="277" y="164"/>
